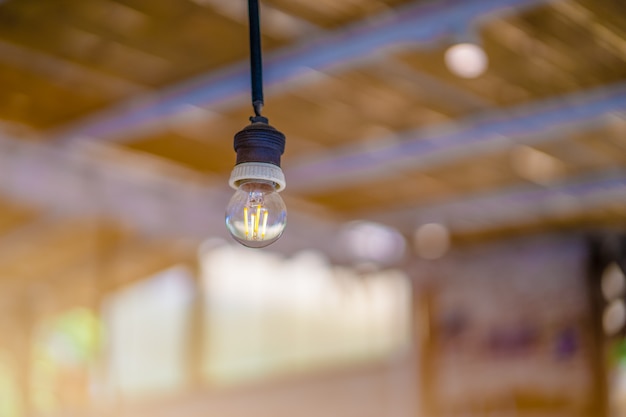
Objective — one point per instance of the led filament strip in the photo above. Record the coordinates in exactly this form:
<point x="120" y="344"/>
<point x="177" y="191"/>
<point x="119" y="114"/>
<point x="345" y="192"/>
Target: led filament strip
<point x="252" y="223"/>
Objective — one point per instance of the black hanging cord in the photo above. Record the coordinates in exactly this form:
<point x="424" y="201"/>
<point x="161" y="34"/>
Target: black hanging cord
<point x="256" y="64"/>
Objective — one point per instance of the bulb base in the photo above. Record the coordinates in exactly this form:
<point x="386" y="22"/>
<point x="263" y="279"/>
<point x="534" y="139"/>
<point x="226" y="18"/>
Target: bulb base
<point x="259" y="142"/>
<point x="250" y="171"/>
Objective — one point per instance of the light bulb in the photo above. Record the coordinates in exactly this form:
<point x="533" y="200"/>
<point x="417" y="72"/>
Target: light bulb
<point x="466" y="60"/>
<point x="256" y="214"/>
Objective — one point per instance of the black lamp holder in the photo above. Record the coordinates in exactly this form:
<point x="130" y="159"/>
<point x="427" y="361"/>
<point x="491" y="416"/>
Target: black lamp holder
<point x="258" y="143"/>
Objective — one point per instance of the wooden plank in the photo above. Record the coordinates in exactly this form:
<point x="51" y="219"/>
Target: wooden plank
<point x="48" y="246"/>
<point x="66" y="73"/>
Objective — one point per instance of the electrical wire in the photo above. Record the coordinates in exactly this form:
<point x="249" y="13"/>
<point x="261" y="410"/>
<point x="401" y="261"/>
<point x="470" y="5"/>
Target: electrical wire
<point x="256" y="63"/>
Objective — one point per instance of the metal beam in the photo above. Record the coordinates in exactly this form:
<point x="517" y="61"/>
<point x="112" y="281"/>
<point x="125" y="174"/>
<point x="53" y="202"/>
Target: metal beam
<point x="519" y="205"/>
<point x="426" y="148"/>
<point x="166" y="205"/>
<point x="152" y="199"/>
<point x="412" y="26"/>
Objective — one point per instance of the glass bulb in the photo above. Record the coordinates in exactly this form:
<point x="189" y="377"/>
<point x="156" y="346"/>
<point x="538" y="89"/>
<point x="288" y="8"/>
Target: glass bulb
<point x="256" y="215"/>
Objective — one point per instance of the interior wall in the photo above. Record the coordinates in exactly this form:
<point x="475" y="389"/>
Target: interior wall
<point x="509" y="330"/>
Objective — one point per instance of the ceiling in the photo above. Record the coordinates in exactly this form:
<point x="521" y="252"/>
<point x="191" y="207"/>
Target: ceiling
<point x="127" y="109"/>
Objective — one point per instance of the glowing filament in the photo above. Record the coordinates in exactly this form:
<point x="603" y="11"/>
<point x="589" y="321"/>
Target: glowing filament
<point x="245" y="215"/>
<point x="264" y="224"/>
<point x="255" y="221"/>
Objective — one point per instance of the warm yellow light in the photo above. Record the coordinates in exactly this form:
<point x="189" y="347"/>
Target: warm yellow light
<point x="264" y="224"/>
<point x="256" y="215"/>
<point x="245" y="216"/>
<point x="256" y="221"/>
<point x="255" y="224"/>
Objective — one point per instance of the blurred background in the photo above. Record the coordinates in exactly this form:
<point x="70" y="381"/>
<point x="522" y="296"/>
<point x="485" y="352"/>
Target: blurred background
<point x="456" y="191"/>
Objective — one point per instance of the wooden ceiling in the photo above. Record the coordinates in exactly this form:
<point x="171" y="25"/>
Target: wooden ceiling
<point x="117" y="118"/>
<point x="69" y="65"/>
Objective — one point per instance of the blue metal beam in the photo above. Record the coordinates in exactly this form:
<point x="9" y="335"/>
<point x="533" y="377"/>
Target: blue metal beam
<point x="424" y="148"/>
<point x="413" y="26"/>
<point x="517" y="206"/>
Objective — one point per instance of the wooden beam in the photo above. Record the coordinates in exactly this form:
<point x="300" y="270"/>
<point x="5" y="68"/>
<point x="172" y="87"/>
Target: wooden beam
<point x="65" y="72"/>
<point x="44" y="248"/>
<point x="438" y="92"/>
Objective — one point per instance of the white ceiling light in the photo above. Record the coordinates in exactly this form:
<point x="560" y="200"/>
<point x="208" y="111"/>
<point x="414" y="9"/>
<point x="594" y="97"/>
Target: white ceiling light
<point x="432" y="240"/>
<point x="614" y="317"/>
<point x="613" y="282"/>
<point x="466" y="60"/>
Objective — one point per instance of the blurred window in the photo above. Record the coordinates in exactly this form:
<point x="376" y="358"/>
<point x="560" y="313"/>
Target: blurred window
<point x="268" y="315"/>
<point x="65" y="349"/>
<point x="146" y="326"/>
<point x="9" y="398"/>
